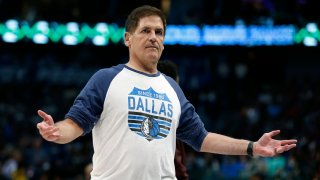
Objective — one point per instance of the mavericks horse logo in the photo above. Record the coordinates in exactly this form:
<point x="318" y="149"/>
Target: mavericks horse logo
<point x="150" y="128"/>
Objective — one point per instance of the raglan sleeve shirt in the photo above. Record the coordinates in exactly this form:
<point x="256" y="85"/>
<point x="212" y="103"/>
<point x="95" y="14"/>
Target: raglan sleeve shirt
<point x="88" y="107"/>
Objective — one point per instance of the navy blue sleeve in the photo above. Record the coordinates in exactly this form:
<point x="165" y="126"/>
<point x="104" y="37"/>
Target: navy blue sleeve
<point x="191" y="129"/>
<point x="88" y="105"/>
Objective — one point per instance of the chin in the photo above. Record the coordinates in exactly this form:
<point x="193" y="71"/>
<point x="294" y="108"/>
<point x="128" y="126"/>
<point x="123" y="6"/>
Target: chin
<point x="154" y="58"/>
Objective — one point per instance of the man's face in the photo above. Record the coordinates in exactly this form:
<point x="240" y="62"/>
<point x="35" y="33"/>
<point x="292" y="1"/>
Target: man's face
<point x="146" y="42"/>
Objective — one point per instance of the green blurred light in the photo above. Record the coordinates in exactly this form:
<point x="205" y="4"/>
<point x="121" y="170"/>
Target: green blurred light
<point x="308" y="33"/>
<point x="56" y="32"/>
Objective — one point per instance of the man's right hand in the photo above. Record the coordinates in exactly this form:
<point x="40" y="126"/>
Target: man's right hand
<point x="47" y="128"/>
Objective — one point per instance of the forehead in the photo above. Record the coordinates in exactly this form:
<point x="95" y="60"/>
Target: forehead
<point x="151" y="22"/>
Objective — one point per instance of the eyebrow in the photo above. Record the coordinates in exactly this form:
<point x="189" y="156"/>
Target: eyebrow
<point x="149" y="27"/>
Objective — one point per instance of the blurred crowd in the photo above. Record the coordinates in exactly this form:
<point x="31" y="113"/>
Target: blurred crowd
<point x="238" y="92"/>
<point x="178" y="11"/>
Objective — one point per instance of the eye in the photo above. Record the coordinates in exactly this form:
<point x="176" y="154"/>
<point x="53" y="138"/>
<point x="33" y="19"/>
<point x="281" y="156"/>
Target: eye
<point x="145" y="30"/>
<point x="159" y="32"/>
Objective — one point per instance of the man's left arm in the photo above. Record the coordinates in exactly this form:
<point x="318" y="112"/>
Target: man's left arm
<point x="266" y="146"/>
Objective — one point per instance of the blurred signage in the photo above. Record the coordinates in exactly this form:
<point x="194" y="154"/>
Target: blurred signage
<point x="102" y="34"/>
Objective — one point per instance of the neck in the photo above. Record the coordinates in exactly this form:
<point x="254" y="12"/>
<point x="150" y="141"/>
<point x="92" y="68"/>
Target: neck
<point x="148" y="69"/>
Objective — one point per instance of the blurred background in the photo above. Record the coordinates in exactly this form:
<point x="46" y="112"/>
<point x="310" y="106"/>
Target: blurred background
<point x="248" y="66"/>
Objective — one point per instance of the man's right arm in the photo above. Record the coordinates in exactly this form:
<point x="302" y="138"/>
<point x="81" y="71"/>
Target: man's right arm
<point x="61" y="132"/>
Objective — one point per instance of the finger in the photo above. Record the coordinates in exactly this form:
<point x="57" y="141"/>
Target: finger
<point x="291" y="141"/>
<point x="274" y="133"/>
<point x="51" y="135"/>
<point x="288" y="147"/>
<point x="279" y="150"/>
<point x="42" y="125"/>
<point x="52" y="138"/>
<point x="46" y="117"/>
<point x="285" y="148"/>
<point x="42" y="114"/>
<point x="45" y="131"/>
<point x="51" y="131"/>
<point x="39" y="126"/>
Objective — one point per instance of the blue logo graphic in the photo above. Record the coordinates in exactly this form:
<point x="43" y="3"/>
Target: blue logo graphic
<point x="149" y="93"/>
<point x="149" y="113"/>
<point x="150" y="128"/>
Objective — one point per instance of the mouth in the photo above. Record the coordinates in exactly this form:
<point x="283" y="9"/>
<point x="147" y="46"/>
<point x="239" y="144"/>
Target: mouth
<point x="152" y="47"/>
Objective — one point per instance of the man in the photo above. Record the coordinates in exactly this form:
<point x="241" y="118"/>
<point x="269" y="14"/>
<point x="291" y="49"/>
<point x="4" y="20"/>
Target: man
<point x="135" y="113"/>
<point x="170" y="69"/>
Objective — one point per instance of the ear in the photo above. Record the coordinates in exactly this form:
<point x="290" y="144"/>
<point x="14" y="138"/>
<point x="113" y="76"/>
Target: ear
<point x="162" y="47"/>
<point x="127" y="39"/>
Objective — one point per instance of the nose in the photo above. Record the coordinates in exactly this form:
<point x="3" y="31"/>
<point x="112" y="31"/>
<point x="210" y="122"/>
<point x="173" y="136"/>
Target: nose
<point x="152" y="36"/>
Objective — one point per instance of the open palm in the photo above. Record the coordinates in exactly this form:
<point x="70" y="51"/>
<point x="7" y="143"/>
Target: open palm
<point x="266" y="146"/>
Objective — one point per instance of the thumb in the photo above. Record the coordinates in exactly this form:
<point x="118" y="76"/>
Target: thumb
<point x="46" y="117"/>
